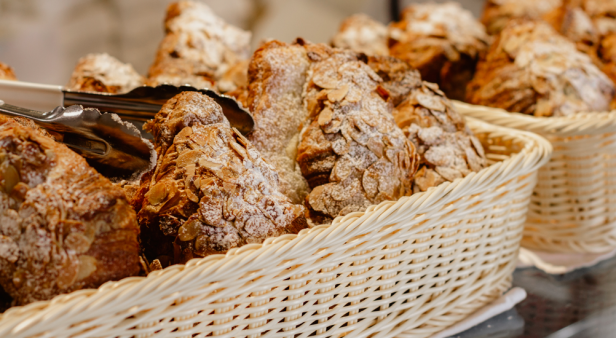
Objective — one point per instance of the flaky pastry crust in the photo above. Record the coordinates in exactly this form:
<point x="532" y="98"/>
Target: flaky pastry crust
<point x="63" y="226"/>
<point x="532" y="69"/>
<point x="104" y="73"/>
<point x="351" y="151"/>
<point x="362" y="34"/>
<point x="211" y="190"/>
<point x="443" y="41"/>
<point x="199" y="48"/>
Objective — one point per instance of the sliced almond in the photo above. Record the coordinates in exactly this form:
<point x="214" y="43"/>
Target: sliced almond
<point x="338" y="95"/>
<point x="191" y="195"/>
<point x="87" y="265"/>
<point x="188" y="157"/>
<point x="239" y="149"/>
<point x="11" y="178"/>
<point x="189" y="230"/>
<point x="183" y="135"/>
<point x="77" y="242"/>
<point x="205" y="163"/>
<point x="325" y="116"/>
<point x="158" y="194"/>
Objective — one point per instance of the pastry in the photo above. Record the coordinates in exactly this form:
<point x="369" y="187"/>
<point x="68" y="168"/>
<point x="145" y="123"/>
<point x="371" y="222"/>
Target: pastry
<point x="443" y="41"/>
<point x="497" y="13"/>
<point x="532" y="69"/>
<point x="447" y="147"/>
<point x="566" y="17"/>
<point x="6" y="72"/>
<point x="64" y="227"/>
<point x="104" y="73"/>
<point x="211" y="190"/>
<point x="277" y="77"/>
<point x="199" y="48"/>
<point x="363" y="35"/>
<point x="351" y="151"/>
<point x="602" y="14"/>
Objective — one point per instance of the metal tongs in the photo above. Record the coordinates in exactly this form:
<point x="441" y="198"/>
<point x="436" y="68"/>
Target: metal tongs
<point x="112" y="146"/>
<point x="139" y="105"/>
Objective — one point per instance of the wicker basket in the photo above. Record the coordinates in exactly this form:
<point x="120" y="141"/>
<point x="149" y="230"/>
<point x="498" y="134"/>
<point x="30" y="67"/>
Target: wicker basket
<point x="413" y="266"/>
<point x="573" y="208"/>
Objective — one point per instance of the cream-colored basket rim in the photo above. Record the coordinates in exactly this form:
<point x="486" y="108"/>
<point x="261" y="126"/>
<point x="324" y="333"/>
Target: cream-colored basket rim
<point x="130" y="295"/>
<point x="576" y="124"/>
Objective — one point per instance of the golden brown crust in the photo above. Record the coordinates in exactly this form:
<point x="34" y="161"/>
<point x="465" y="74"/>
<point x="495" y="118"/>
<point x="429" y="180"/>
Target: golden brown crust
<point x="6" y="72"/>
<point x="211" y="190"/>
<point x="104" y="73"/>
<point x="497" y="13"/>
<point x="446" y="146"/>
<point x="602" y="14"/>
<point x="443" y="41"/>
<point x="532" y="69"/>
<point x="199" y="49"/>
<point x="275" y="97"/>
<point x="351" y="152"/>
<point x="63" y="226"/>
<point x="361" y="34"/>
<point x="565" y="16"/>
<point x="399" y="78"/>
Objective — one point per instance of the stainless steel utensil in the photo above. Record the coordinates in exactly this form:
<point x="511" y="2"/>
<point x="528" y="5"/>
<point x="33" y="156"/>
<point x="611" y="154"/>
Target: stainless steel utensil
<point x="140" y="104"/>
<point x="114" y="147"/>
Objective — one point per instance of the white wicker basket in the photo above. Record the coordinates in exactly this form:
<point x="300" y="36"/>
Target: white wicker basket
<point x="414" y="266"/>
<point x="573" y="208"/>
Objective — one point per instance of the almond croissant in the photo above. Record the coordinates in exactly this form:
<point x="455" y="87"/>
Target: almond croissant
<point x="63" y="226"/>
<point x="104" y="73"/>
<point x="199" y="48"/>
<point x="211" y="190"/>
<point x="351" y="152"/>
<point x="532" y="69"/>
<point x="443" y="41"/>
<point x="448" y="149"/>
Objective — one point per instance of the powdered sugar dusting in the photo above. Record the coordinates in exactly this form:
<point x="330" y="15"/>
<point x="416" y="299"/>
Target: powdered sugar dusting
<point x="116" y="76"/>
<point x="362" y="34"/>
<point x="547" y="76"/>
<point x="211" y="190"/>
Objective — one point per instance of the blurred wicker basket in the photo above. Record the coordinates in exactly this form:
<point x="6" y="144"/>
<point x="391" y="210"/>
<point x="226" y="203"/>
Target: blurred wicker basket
<point x="573" y="208"/>
<point x="413" y="266"/>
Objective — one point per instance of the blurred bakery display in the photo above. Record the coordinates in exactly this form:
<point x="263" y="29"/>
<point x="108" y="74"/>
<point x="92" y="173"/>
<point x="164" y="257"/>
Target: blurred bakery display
<point x="43" y="40"/>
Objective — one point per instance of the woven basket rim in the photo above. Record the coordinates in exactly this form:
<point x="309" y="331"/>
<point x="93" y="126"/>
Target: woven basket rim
<point x="576" y="124"/>
<point x="85" y="305"/>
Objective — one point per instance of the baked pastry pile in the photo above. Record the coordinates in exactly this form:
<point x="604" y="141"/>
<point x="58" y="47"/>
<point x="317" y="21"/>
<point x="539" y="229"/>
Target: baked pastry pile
<point x="104" y="73"/>
<point x="6" y="72"/>
<point x="443" y="41"/>
<point x="211" y="190"/>
<point x="199" y="49"/>
<point x="497" y="13"/>
<point x="361" y="34"/>
<point x="335" y="132"/>
<point x="532" y="69"/>
<point x="63" y="226"/>
<point x="324" y="119"/>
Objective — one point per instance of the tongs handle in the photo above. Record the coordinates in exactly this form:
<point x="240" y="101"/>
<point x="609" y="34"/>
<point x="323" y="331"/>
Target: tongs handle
<point x="31" y="95"/>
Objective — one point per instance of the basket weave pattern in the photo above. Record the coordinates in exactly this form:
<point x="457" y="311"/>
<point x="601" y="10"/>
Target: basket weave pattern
<point x="410" y="267"/>
<point x="573" y="208"/>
